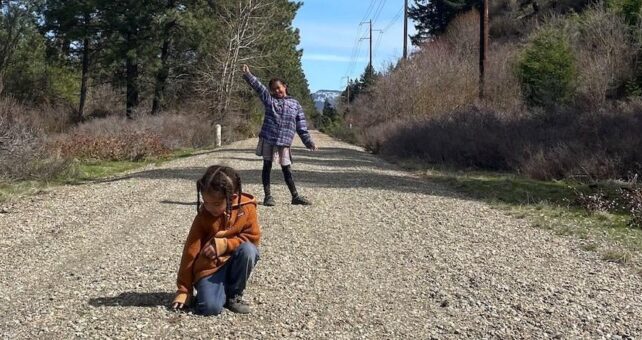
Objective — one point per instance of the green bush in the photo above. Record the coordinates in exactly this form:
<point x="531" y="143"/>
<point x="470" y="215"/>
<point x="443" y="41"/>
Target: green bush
<point x="629" y="9"/>
<point x="546" y="69"/>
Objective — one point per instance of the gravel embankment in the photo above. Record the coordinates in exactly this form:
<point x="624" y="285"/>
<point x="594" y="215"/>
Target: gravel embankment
<point x="381" y="254"/>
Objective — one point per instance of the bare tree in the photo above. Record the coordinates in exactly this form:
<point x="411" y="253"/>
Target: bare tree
<point x="244" y="24"/>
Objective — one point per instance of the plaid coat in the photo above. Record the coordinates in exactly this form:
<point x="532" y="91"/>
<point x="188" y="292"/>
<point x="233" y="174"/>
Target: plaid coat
<point x="283" y="117"/>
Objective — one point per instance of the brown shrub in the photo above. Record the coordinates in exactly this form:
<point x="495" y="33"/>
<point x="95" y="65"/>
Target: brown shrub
<point x="501" y="87"/>
<point x="595" y="145"/>
<point x="104" y="101"/>
<point x="22" y="148"/>
<point x="633" y="202"/>
<point x="441" y="77"/>
<point x="43" y="118"/>
<point x="124" y="146"/>
<point x="605" y="55"/>
<point x="118" y="138"/>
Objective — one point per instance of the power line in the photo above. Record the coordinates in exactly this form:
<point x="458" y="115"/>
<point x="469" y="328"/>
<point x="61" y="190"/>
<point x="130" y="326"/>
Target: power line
<point x="394" y="19"/>
<point x="356" y="46"/>
<point x="378" y="42"/>
<point x="382" y="4"/>
<point x="377" y="12"/>
<point x="365" y="16"/>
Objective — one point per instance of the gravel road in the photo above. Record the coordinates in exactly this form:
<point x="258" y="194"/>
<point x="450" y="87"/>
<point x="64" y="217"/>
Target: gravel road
<point x="381" y="254"/>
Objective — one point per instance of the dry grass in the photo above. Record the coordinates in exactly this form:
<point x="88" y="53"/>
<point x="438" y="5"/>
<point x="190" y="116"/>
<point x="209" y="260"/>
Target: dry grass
<point x="428" y="108"/>
<point x="604" y="54"/>
<point x="22" y="145"/>
<point x="116" y="138"/>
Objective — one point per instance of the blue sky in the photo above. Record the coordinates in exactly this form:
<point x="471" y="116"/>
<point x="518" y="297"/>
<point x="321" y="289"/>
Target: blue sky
<point x="330" y="38"/>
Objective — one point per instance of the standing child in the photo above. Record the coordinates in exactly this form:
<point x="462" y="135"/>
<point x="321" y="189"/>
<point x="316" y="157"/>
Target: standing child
<point x="283" y="116"/>
<point x="221" y="248"/>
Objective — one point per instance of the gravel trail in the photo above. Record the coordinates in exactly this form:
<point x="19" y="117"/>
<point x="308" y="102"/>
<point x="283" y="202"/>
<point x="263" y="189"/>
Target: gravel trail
<point x="381" y="254"/>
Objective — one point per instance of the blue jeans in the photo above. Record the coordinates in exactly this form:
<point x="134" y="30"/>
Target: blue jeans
<point x="212" y="291"/>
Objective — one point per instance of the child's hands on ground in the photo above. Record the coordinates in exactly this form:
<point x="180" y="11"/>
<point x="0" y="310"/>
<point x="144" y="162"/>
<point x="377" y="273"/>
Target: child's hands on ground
<point x="246" y="69"/>
<point x="314" y="148"/>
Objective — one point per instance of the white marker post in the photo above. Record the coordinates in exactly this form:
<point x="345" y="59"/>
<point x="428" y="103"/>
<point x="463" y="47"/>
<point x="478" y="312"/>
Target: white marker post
<point x="218" y="135"/>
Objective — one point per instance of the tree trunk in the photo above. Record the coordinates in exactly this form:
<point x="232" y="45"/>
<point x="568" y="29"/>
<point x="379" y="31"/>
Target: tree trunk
<point x="131" y="78"/>
<point x="163" y="72"/>
<point x="84" y="79"/>
<point x="161" y="78"/>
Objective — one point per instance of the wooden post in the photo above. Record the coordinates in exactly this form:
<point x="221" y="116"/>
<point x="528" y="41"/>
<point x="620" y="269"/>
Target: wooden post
<point x="483" y="44"/>
<point x="218" y="135"/>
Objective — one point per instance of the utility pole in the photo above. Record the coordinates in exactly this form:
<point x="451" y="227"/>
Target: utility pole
<point x="369" y="22"/>
<point x="483" y="43"/>
<point x="405" y="29"/>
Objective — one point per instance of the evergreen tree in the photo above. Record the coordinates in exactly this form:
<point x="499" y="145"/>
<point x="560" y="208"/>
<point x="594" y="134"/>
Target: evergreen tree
<point x="130" y="30"/>
<point x="431" y="17"/>
<point x="329" y="111"/>
<point x="73" y="27"/>
<point x="282" y="57"/>
<point x="368" y="78"/>
<point x="16" y="23"/>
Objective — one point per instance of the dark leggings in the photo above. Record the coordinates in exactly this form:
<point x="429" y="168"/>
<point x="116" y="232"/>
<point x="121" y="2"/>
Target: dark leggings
<point x="287" y="175"/>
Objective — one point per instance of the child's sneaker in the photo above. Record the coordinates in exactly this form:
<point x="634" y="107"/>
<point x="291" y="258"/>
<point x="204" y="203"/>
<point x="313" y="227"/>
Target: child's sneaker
<point x="269" y="201"/>
<point x="300" y="200"/>
<point x="237" y="305"/>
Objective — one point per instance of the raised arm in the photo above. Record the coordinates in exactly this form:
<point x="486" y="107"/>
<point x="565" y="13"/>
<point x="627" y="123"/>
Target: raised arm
<point x="256" y="84"/>
<point x="302" y="129"/>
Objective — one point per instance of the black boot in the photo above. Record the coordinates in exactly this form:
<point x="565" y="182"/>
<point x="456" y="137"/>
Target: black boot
<point x="268" y="200"/>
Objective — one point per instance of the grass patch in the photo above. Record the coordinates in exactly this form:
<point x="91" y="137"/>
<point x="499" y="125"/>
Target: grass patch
<point x="550" y="205"/>
<point x="617" y="256"/>
<point x="90" y="170"/>
<point x="83" y="171"/>
<point x="8" y="190"/>
<point x="590" y="247"/>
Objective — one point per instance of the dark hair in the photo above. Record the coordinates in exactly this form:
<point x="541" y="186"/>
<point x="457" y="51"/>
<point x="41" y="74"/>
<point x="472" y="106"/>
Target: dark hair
<point x="279" y="80"/>
<point x="223" y="179"/>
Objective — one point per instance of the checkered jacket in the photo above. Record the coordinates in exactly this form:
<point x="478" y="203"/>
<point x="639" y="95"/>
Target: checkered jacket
<point x="283" y="117"/>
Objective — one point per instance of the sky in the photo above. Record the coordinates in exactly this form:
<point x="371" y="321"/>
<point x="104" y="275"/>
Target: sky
<point x="331" y="38"/>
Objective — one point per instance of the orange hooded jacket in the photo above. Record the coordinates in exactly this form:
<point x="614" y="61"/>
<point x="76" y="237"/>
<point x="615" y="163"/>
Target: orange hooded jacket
<point x="243" y="226"/>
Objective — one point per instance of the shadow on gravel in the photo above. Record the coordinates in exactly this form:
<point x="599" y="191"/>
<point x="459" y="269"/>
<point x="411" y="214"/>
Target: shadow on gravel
<point x="134" y="299"/>
<point x="329" y="157"/>
<point x="343" y="160"/>
<point x="177" y="202"/>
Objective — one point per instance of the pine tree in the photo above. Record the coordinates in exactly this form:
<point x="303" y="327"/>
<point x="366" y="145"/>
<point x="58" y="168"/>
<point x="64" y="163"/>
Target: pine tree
<point x="329" y="111"/>
<point x="74" y="27"/>
<point x="431" y="17"/>
<point x="132" y="45"/>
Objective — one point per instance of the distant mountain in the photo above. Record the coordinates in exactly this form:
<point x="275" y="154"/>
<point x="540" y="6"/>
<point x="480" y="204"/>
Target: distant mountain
<point x="320" y="96"/>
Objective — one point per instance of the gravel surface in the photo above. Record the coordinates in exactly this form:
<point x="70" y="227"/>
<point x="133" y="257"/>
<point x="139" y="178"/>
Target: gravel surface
<point x="381" y="254"/>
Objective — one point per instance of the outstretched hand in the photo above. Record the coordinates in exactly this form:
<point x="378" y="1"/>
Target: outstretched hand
<point x="246" y="69"/>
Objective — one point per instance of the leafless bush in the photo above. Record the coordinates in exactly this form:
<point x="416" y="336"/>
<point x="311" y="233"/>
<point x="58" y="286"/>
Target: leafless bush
<point x="501" y="86"/>
<point x="124" y="146"/>
<point x="22" y="148"/>
<point x="441" y="77"/>
<point x="103" y="101"/>
<point x="633" y="201"/>
<point x="605" y="55"/>
<point x="118" y="138"/>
